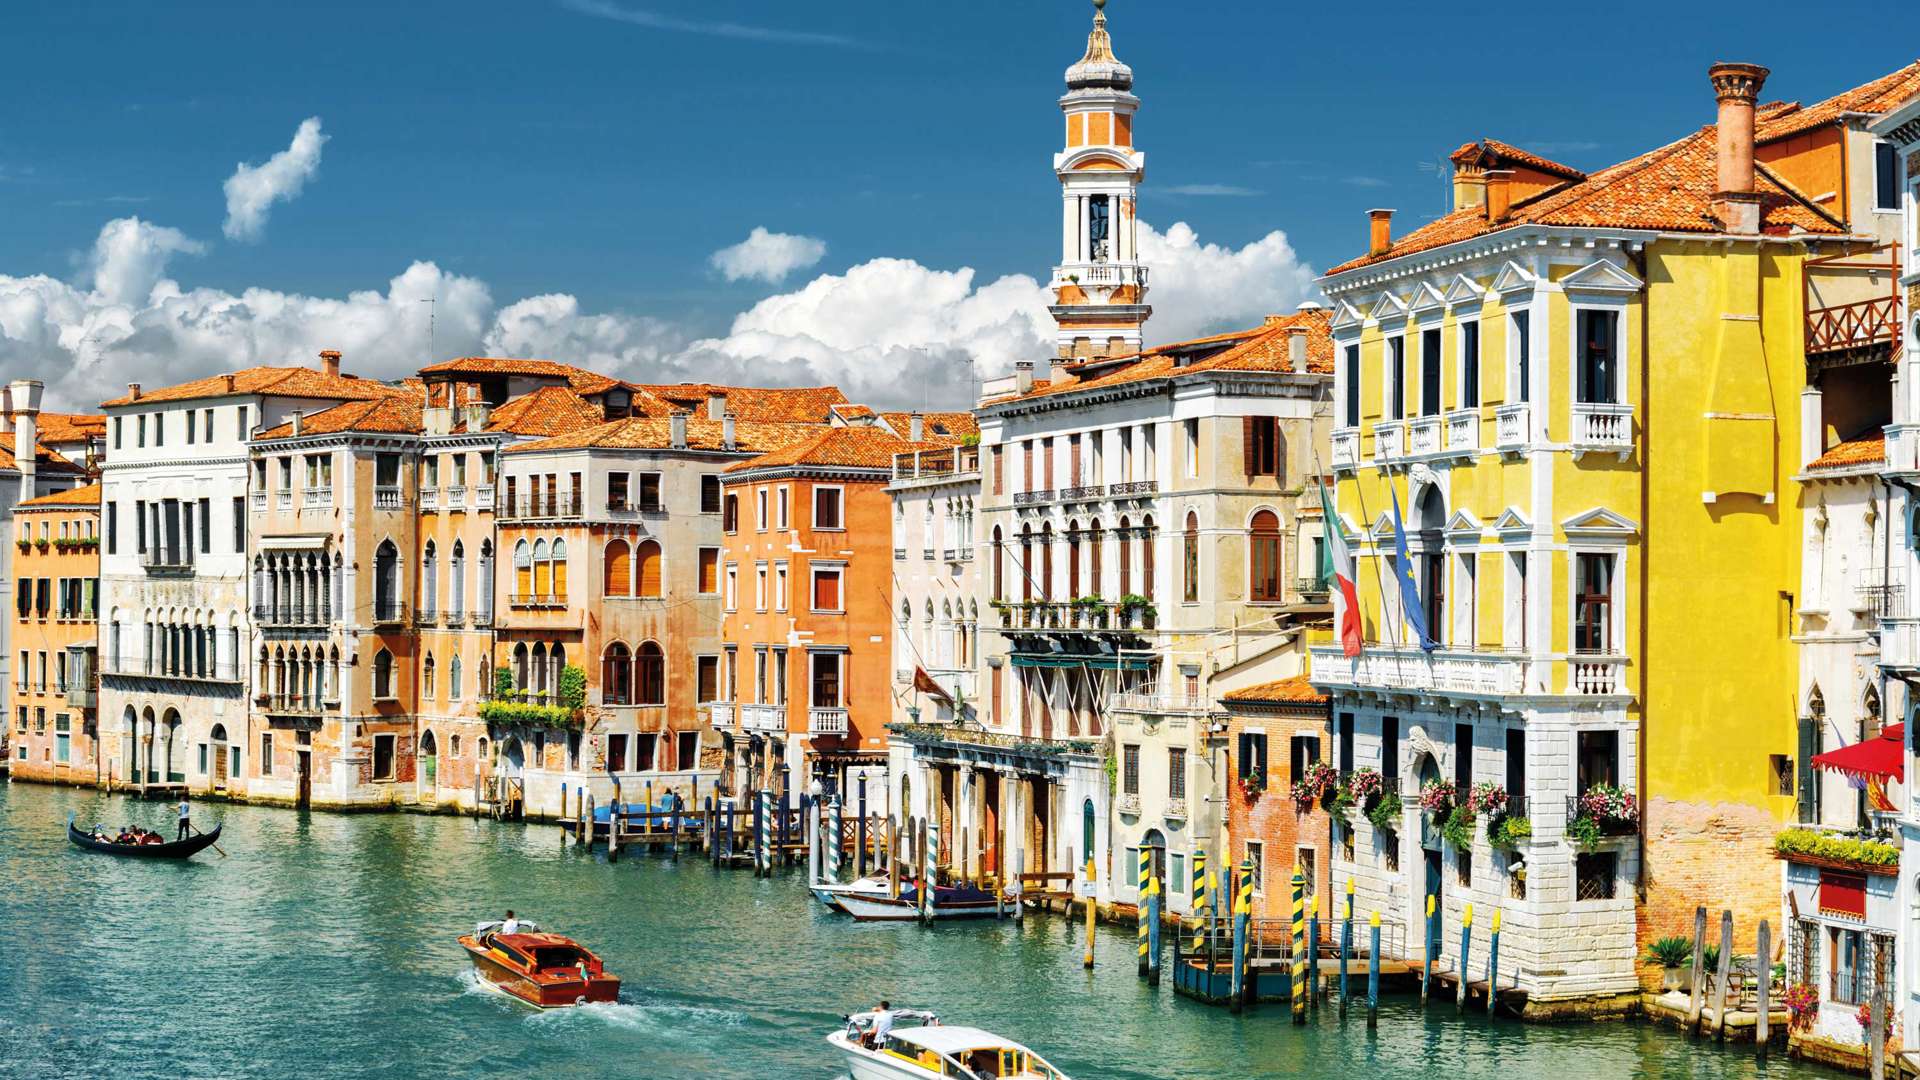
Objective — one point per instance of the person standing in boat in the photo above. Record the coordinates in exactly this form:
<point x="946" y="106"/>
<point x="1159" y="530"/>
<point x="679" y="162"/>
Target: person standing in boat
<point x="882" y="1024"/>
<point x="186" y="823"/>
<point x="510" y="925"/>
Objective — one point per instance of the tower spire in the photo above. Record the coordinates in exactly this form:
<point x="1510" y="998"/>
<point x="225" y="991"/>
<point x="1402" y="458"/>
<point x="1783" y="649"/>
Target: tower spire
<point x="1100" y="286"/>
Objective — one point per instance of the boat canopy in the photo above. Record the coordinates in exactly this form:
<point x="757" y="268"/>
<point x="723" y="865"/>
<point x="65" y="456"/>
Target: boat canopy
<point x="955" y="1040"/>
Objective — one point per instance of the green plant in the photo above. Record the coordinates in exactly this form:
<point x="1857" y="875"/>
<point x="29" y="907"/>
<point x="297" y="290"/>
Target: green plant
<point x="970" y="439"/>
<point x="1509" y="833"/>
<point x="1112" y="767"/>
<point x="520" y="712"/>
<point x="1458" y="828"/>
<point x="1847" y="849"/>
<point x="1671" y="951"/>
<point x="1385" y="812"/>
<point x="573" y="688"/>
<point x="1584" y="831"/>
<point x="503" y="682"/>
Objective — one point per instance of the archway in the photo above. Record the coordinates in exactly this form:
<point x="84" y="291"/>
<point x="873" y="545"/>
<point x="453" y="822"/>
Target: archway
<point x="429" y="762"/>
<point x="1156" y="844"/>
<point x="515" y="757"/>
<point x="217" y="768"/>
<point x="176" y="751"/>
<point x="130" y="744"/>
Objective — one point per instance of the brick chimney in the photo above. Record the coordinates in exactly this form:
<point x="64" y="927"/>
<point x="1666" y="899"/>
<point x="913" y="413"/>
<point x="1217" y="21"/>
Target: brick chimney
<point x="677" y="424"/>
<point x="727" y="440"/>
<point x="716" y="404"/>
<point x="1379" y="231"/>
<point x="916" y="427"/>
<point x="1022" y="376"/>
<point x="24" y="395"/>
<point x="1499" y="195"/>
<point x="1736" y="87"/>
<point x="1297" y="348"/>
<point x="133" y="390"/>
<point x="1469" y="182"/>
<point x="330" y="362"/>
<point x="226" y="379"/>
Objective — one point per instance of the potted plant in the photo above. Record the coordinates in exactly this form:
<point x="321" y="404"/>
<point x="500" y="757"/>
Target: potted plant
<point x="1314" y="784"/>
<point x="1253" y="783"/>
<point x="1365" y="787"/>
<point x="1604" y="810"/>
<point x="1136" y="611"/>
<point x="1802" y="1002"/>
<point x="1670" y="954"/>
<point x="24" y="544"/>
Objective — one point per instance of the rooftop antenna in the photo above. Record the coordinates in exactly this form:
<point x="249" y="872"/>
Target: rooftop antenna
<point x="432" y="309"/>
<point x="1442" y="169"/>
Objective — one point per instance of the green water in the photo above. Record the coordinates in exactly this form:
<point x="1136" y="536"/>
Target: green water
<point x="323" y="946"/>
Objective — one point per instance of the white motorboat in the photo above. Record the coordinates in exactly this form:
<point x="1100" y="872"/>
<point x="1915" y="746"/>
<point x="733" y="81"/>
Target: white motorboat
<point x="949" y="902"/>
<point x="829" y="893"/>
<point x="930" y="1049"/>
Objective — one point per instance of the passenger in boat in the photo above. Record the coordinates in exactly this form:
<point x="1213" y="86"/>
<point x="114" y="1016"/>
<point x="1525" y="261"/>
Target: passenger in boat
<point x="152" y="838"/>
<point x="510" y="925"/>
<point x="882" y="1026"/>
<point x="127" y="836"/>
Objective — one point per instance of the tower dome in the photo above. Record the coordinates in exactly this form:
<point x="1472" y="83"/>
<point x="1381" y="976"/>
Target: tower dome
<point x="1099" y="67"/>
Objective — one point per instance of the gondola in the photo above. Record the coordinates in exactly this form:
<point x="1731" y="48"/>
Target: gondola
<point x="177" y="849"/>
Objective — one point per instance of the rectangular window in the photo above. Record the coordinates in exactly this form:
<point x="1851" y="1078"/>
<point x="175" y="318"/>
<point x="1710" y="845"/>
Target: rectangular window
<point x="266" y="754"/>
<point x="616" y="754"/>
<point x="1130" y="769"/>
<point x="1176" y="772"/>
<point x="1026" y="465"/>
<point x="1256" y="857"/>
<point x="730" y="517"/>
<point x="1598" y="360"/>
<point x="1470" y="365"/>
<point x="1303" y="752"/>
<point x="62" y="738"/>
<point x="1430" y="372"/>
<point x="687" y="749"/>
<point x="826" y="508"/>
<point x="826" y="679"/>
<point x="1593" y="603"/>
<point x="1886" y="177"/>
<point x="141" y="429"/>
<point x="997" y="460"/>
<point x="1351" y="366"/>
<point x="826" y="589"/>
<point x="1192" y="428"/>
<point x="119" y="432"/>
<point x="731" y="600"/>
<point x="239" y="524"/>
<point x="1397" y="377"/>
<point x="1463" y="757"/>
<point x="1522" y="353"/>
<point x="1345" y="763"/>
<point x="1598" y="759"/>
<point x="1517" y="764"/>
<point x="113" y="528"/>
<point x="709" y="571"/>
<point x="140" y="526"/>
<point x="190" y="415"/>
<point x="1253" y="760"/>
<point x="706" y="678"/>
<point x="780" y="586"/>
<point x="760" y="587"/>
<point x="780" y="502"/>
<point x="1390" y="748"/>
<point x="1262" y="446"/>
<point x="760" y="517"/>
<point x="383" y="757"/>
<point x="710" y="493"/>
<point x="240" y="423"/>
<point x="1594" y="875"/>
<point x="617" y="491"/>
<point x="649" y="493"/>
<point x="206" y="523"/>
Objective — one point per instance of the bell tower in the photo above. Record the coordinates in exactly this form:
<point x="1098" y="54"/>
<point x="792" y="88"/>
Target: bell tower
<point x="1100" y="286"/>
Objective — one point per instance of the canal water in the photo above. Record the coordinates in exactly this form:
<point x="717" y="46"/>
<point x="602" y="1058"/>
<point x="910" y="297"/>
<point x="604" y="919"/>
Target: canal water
<point x="323" y="946"/>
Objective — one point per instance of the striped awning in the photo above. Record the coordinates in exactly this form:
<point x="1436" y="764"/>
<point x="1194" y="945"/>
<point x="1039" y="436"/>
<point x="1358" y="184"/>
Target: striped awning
<point x="1071" y="660"/>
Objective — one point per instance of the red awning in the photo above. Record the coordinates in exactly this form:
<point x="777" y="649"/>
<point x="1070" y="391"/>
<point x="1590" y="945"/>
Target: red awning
<point x="1843" y="894"/>
<point x="1870" y="759"/>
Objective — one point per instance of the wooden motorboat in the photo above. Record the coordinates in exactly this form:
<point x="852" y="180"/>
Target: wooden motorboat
<point x="174" y="849"/>
<point x="949" y="902"/>
<point x="929" y="1049"/>
<point x="547" y="971"/>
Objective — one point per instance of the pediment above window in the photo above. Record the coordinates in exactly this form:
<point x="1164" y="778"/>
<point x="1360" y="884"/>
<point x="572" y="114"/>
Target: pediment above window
<point x="1512" y="279"/>
<point x="1464" y="290"/>
<point x="1602" y="276"/>
<point x="1600" y="522"/>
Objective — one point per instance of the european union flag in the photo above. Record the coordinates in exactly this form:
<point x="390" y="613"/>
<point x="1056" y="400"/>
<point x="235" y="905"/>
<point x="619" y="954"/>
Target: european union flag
<point x="1412" y="610"/>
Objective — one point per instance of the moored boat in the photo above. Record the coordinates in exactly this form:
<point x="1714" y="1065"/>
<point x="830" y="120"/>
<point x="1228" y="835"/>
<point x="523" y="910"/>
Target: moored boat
<point x="949" y="902"/>
<point x="930" y="1049"/>
<point x="547" y="971"/>
<point x="173" y="849"/>
<point x="829" y="893"/>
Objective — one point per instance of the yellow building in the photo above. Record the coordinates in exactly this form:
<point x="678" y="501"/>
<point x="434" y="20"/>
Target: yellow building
<point x="1585" y="393"/>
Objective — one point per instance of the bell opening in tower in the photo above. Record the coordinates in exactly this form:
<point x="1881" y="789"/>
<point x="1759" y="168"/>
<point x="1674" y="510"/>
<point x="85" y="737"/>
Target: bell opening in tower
<point x="1097" y="228"/>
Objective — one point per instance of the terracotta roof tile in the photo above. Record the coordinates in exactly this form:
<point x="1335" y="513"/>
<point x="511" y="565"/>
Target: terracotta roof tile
<point x="71" y="427"/>
<point x="652" y="433"/>
<point x="934" y="424"/>
<point x="278" y="381"/>
<point x="549" y="410"/>
<point x="1492" y="153"/>
<point x="1262" y="348"/>
<point x="774" y="404"/>
<point x="1293" y="691"/>
<point x="1883" y="94"/>
<point x="579" y="379"/>
<point x="1868" y="449"/>
<point x="388" y="416"/>
<point x="845" y="447"/>
<point x="85" y="495"/>
<point x="46" y="460"/>
<point x="1669" y="189"/>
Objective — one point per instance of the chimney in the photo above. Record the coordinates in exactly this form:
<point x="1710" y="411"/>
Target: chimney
<point x="25" y="395"/>
<point x="677" y="423"/>
<point x="298" y="416"/>
<point x="1022" y="376"/>
<point x="716" y="404"/>
<point x="1379" y="231"/>
<point x="226" y="380"/>
<point x="436" y="420"/>
<point x="727" y="441"/>
<point x="1736" y="87"/>
<point x="916" y="427"/>
<point x="133" y="390"/>
<point x="330" y="362"/>
<point x="1057" y="371"/>
<point x="476" y="413"/>
<point x="1297" y="348"/>
<point x="1469" y="183"/>
<point x="1499" y="195"/>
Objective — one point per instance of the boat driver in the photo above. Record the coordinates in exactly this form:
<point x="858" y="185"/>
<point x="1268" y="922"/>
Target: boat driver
<point x="510" y="925"/>
<point x="882" y="1025"/>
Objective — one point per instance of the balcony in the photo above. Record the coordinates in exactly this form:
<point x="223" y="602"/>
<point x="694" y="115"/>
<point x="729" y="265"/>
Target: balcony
<point x="1512" y="426"/>
<point x="524" y="507"/>
<point x="1135" y="489"/>
<point x="1596" y="675"/>
<point x="1032" y="498"/>
<point x="389" y="613"/>
<point x="1903" y="449"/>
<point x="429" y="499"/>
<point x="258" y="500"/>
<point x="425" y="616"/>
<point x="1602" y="427"/>
<point x="1176" y="810"/>
<point x="1866" y="329"/>
<point x="129" y="666"/>
<point x="1900" y="645"/>
<point x="1101" y="274"/>
<point x="1878" y="595"/>
<point x="387" y="497"/>
<point x="1314" y="590"/>
<point x="1463" y="673"/>
<point x="483" y="617"/>
<point x="1127" y="803"/>
<point x="1082" y="493"/>
<point x="899" y="554"/>
<point x="1609" y="828"/>
<point x="292" y="707"/>
<point x="536" y="600"/>
<point x="483" y="497"/>
<point x="169" y="561"/>
<point x="826" y="721"/>
<point x="1463" y="431"/>
<point x="721" y="714"/>
<point x="1160" y="704"/>
<point x="1423" y="436"/>
<point x="756" y="717"/>
<point x="926" y="554"/>
<point x="283" y="500"/>
<point x="1389" y="440"/>
<point x="936" y="464"/>
<point x="316" y="498"/>
<point x="456" y="497"/>
<point x="1346" y="448"/>
<point x="268" y="615"/>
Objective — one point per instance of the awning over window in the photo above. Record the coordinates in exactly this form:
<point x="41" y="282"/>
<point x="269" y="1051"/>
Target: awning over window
<point x="1097" y="663"/>
<point x="1870" y="759"/>
<point x="1843" y="894"/>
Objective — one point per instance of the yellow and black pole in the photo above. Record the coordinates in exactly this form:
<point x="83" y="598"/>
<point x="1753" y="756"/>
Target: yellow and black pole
<point x="1153" y="929"/>
<point x="1092" y="898"/>
<point x="1466" y="939"/>
<point x="1346" y="942"/>
<point x="1373" y="971"/>
<point x="1313" y="954"/>
<point x="1146" y="876"/>
<point x="1242" y="912"/>
<point x="1426" y="960"/>
<point x="1199" y="898"/>
<point x="1299" y="984"/>
<point x="1493" y="967"/>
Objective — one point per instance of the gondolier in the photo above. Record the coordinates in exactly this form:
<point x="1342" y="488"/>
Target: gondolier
<point x="186" y="819"/>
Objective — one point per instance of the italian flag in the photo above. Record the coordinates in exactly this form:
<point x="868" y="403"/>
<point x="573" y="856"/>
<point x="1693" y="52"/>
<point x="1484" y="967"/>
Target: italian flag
<point x="1336" y="565"/>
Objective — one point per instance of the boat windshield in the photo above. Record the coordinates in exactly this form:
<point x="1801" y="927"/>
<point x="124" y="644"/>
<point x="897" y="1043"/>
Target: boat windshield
<point x="558" y="956"/>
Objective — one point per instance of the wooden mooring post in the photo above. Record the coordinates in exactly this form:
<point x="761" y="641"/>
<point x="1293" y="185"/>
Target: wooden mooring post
<point x="1493" y="962"/>
<point x="860" y="849"/>
<point x="1313" y="955"/>
<point x="1763" y="949"/>
<point x="1722" y="976"/>
<point x="1426" y="959"/>
<point x="1153" y="930"/>
<point x="1693" y="973"/>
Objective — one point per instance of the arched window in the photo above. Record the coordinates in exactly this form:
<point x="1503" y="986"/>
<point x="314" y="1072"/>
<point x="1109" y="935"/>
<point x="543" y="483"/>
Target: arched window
<point x="556" y="662"/>
<point x="616" y="675"/>
<point x="454" y="688"/>
<point x="999" y="567"/>
<point x="426" y="676"/>
<point x="650" y="675"/>
<point x="1123" y="539"/>
<point x="457" y="580"/>
<point x="486" y="579"/>
<point x="429" y="580"/>
<point x="560" y="570"/>
<point x="1263" y="539"/>
<point x="539" y="668"/>
<point x="1094" y="541"/>
<point x="618" y="579"/>
<point x="520" y="666"/>
<point x="647" y="558"/>
<point x="386" y="581"/>
<point x="1073" y="560"/>
<point x="1026" y="562"/>
<point x="382" y="674"/>
<point x="1046" y="562"/>
<point x="542" y="569"/>
<point x="1146" y="557"/>
<point x="1190" y="559"/>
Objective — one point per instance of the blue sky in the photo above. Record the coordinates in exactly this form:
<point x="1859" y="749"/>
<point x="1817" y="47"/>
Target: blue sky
<point x="604" y="149"/>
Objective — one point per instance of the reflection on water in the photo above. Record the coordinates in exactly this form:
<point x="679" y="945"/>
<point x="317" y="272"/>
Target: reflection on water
<point x="324" y="947"/>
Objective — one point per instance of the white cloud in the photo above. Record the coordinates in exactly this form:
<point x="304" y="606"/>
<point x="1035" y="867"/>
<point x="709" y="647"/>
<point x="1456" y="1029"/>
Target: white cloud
<point x="253" y="189"/>
<point x="654" y="20"/>
<point x="1227" y="190"/>
<point x="768" y="256"/>
<point x="890" y="332"/>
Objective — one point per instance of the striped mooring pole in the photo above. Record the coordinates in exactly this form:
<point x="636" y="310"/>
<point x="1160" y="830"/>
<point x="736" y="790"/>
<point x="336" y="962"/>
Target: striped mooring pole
<point x="1242" y="912"/>
<point x="1466" y="941"/>
<point x="1493" y="967"/>
<point x="1313" y="954"/>
<point x="839" y="828"/>
<point x="1426" y="959"/>
<point x="1346" y="942"/>
<point x="1199" y="898"/>
<point x="1299" y="985"/>
<point x="1373" y="971"/>
<point x="1146" y="877"/>
<point x="1153" y="930"/>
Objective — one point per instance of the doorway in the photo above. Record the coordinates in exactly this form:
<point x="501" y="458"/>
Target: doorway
<point x="429" y="761"/>
<point x="303" y="778"/>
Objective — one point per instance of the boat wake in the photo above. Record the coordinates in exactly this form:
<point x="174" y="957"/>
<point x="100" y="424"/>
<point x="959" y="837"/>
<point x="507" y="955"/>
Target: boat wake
<point x="652" y="1016"/>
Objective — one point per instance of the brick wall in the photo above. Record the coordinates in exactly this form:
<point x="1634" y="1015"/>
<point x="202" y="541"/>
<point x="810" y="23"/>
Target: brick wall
<point x="1719" y="855"/>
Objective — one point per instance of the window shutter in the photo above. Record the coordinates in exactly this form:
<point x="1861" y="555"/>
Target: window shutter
<point x="1249" y="465"/>
<point x="619" y="569"/>
<point x="649" y="569"/>
<point x="709" y="571"/>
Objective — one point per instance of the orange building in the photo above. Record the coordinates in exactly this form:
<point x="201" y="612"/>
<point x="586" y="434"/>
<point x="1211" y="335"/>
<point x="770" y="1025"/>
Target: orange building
<point x="807" y="634"/>
<point x="1276" y="731"/>
<point x="56" y="615"/>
